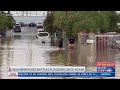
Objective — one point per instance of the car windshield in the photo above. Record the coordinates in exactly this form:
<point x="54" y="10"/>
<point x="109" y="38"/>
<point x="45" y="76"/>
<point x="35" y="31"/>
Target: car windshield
<point x="17" y="26"/>
<point x="43" y="34"/>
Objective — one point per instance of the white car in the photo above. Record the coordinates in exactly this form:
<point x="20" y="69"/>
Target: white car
<point x="44" y="37"/>
<point x="41" y="30"/>
<point x="39" y="25"/>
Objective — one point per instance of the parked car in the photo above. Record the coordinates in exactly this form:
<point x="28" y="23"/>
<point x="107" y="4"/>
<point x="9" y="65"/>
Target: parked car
<point x="32" y="25"/>
<point x="43" y="37"/>
<point x="39" y="25"/>
<point x="21" y="23"/>
<point x="17" y="28"/>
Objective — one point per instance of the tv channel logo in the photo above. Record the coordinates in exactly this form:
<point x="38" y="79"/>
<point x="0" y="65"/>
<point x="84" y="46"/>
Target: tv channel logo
<point x="105" y="69"/>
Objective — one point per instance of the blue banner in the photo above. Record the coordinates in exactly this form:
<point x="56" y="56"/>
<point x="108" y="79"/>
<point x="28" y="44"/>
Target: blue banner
<point x="90" y="74"/>
<point x="105" y="69"/>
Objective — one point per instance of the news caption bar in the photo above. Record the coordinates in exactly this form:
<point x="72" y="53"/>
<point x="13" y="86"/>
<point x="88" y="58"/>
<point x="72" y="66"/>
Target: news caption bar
<point x="59" y="72"/>
<point x="46" y="69"/>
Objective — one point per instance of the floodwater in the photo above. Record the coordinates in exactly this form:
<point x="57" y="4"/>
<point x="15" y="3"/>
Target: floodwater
<point x="24" y="49"/>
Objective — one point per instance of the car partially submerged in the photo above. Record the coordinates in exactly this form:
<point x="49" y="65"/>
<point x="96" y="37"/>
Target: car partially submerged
<point x="32" y="24"/>
<point x="41" y="30"/>
<point x="39" y="25"/>
<point x="44" y="37"/>
<point x="17" y="28"/>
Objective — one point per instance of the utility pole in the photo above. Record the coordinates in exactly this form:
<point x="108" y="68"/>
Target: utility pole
<point x="30" y="13"/>
<point x="22" y="13"/>
<point x="8" y="12"/>
<point x="44" y="14"/>
<point x="36" y="13"/>
<point x="26" y="13"/>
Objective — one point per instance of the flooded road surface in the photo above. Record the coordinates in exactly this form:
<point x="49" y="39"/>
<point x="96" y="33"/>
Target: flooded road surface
<point x="86" y="58"/>
<point x="24" y="49"/>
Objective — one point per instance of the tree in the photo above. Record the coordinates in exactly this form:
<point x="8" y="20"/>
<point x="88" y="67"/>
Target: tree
<point x="5" y="21"/>
<point x="114" y="19"/>
<point x="48" y="23"/>
<point x="73" y="22"/>
<point x="10" y="22"/>
<point x="2" y="20"/>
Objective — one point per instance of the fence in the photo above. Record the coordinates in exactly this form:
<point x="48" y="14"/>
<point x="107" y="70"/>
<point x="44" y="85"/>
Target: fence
<point x="106" y="46"/>
<point x="100" y="47"/>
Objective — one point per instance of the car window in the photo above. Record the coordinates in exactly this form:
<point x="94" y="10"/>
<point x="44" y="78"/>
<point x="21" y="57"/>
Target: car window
<point x="17" y="26"/>
<point x="42" y="31"/>
<point x="43" y="34"/>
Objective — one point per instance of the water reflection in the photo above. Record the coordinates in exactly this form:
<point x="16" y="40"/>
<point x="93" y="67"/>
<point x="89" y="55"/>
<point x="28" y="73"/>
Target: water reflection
<point x="85" y="55"/>
<point x="64" y="57"/>
<point x="17" y="37"/>
<point x="57" y="57"/>
<point x="0" y="58"/>
<point x="3" y="40"/>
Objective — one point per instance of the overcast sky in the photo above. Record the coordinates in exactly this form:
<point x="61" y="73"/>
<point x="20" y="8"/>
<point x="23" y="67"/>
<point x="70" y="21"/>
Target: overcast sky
<point x="33" y="13"/>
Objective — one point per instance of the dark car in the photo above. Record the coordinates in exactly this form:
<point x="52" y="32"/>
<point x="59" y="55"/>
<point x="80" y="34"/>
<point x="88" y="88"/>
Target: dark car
<point x="21" y="23"/>
<point x="32" y="25"/>
<point x="17" y="28"/>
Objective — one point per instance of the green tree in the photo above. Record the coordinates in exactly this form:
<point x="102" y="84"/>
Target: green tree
<point x="73" y="22"/>
<point x="5" y="21"/>
<point x="2" y="20"/>
<point x="48" y="23"/>
<point x="10" y="22"/>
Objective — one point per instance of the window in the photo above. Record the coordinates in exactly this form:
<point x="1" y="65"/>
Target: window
<point x="43" y="34"/>
<point x="17" y="26"/>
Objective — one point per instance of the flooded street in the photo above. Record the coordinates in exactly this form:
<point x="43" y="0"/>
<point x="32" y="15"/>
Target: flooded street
<point x="24" y="49"/>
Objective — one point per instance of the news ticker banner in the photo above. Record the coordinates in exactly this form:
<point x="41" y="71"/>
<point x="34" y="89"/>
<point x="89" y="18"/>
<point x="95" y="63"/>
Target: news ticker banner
<point x="82" y="74"/>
